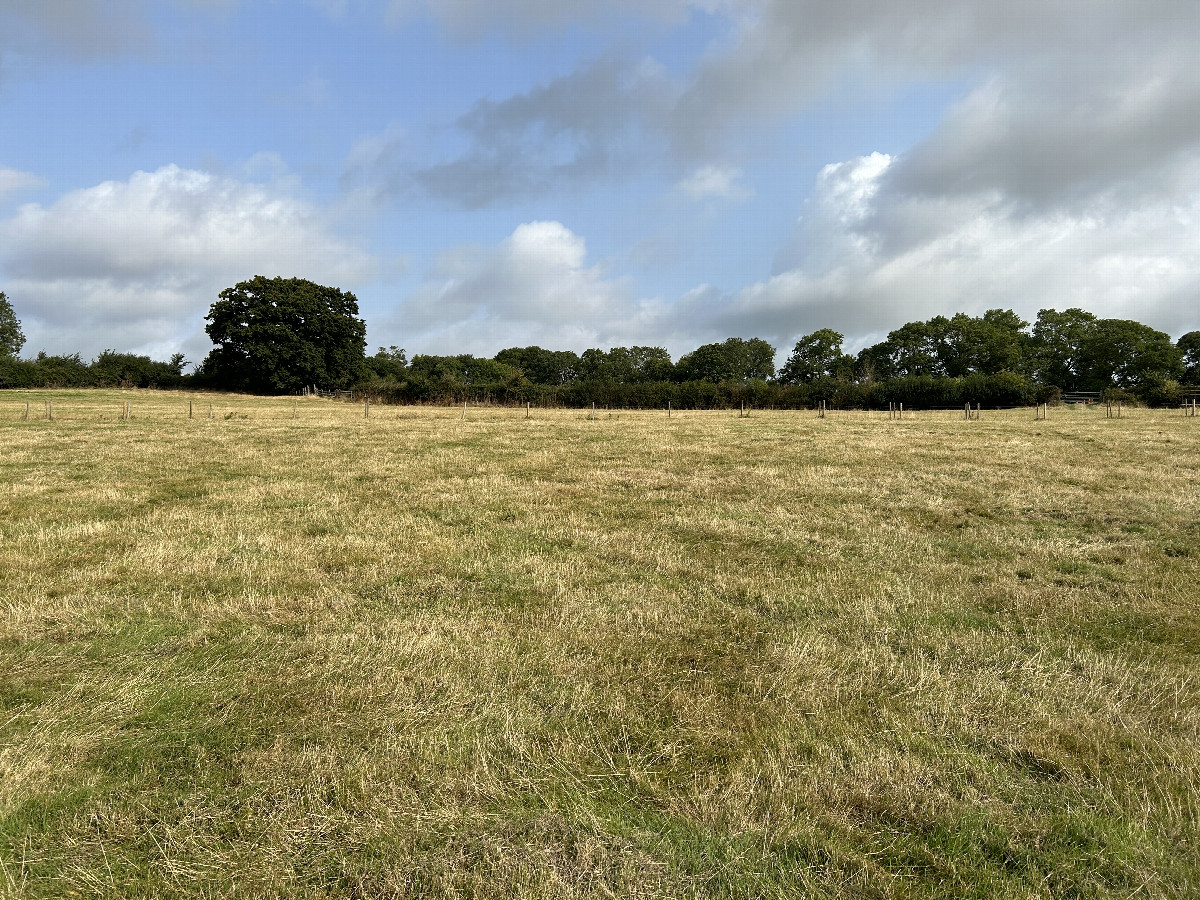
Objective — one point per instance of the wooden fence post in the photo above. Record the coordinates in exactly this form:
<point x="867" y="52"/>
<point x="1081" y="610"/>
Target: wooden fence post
<point x="26" y="410"/>
<point x="189" y="409"/>
<point x="50" y="409"/>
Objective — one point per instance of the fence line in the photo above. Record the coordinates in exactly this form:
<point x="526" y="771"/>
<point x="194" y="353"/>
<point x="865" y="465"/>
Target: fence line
<point x="267" y="409"/>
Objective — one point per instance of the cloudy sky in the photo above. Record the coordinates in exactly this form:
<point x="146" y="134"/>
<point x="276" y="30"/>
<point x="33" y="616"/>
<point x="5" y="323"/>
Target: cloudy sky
<point x="491" y="173"/>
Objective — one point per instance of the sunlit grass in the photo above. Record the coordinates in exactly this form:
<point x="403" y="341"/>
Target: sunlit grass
<point x="427" y="654"/>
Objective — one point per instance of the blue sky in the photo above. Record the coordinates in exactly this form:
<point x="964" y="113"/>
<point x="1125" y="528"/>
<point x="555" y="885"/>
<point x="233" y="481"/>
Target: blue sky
<point x="491" y="173"/>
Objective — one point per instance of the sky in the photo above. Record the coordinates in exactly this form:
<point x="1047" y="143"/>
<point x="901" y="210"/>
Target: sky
<point x="484" y="174"/>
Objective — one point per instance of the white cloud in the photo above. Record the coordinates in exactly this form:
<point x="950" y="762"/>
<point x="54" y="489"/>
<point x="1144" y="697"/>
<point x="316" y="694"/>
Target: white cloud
<point x="12" y="180"/>
<point x="868" y="258"/>
<point x="721" y="182"/>
<point x="135" y="264"/>
<point x="534" y="287"/>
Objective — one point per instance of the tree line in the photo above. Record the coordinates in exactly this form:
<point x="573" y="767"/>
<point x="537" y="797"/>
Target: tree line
<point x="281" y="335"/>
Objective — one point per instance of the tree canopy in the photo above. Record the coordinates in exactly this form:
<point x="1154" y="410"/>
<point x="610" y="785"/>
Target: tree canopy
<point x="1189" y="346"/>
<point x="817" y="355"/>
<point x="734" y="359"/>
<point x="276" y="335"/>
<point x="12" y="339"/>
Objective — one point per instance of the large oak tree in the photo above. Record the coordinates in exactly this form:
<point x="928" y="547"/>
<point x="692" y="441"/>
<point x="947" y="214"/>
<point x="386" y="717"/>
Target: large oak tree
<point x="276" y="335"/>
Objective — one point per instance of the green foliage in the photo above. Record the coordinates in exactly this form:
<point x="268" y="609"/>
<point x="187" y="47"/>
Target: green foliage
<point x="45" y="371"/>
<point x="734" y="359"/>
<point x="453" y="379"/>
<point x="626" y="365"/>
<point x="109" y="369"/>
<point x="542" y="366"/>
<point x="113" y="369"/>
<point x="1126" y="354"/>
<point x="817" y="355"/>
<point x="950" y="348"/>
<point x="12" y="339"/>
<point x="1057" y="342"/>
<point x="1189" y="348"/>
<point x="389" y="363"/>
<point x="276" y="335"/>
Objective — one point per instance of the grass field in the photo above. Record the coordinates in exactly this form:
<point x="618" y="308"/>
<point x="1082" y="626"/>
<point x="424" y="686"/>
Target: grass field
<point x="709" y="656"/>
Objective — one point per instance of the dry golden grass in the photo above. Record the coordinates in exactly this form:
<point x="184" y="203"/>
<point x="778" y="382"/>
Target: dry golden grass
<point x="710" y="656"/>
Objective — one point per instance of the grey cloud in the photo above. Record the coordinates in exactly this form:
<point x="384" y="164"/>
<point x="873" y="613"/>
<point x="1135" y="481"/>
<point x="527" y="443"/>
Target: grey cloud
<point x="471" y="19"/>
<point x="1064" y="96"/>
<point x="584" y="127"/>
<point x="79" y="28"/>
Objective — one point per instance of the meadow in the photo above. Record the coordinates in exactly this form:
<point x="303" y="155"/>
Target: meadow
<point x="430" y="653"/>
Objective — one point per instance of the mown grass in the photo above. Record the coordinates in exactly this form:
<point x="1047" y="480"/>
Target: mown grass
<point x="709" y="656"/>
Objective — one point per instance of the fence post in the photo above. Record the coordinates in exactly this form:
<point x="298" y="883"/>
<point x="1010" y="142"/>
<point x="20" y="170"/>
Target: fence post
<point x="26" y="410"/>
<point x="366" y="409"/>
<point x="668" y="409"/>
<point x="50" y="409"/>
<point x="210" y="410"/>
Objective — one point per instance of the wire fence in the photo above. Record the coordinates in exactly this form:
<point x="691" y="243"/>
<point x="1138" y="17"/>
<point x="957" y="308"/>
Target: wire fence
<point x="316" y="407"/>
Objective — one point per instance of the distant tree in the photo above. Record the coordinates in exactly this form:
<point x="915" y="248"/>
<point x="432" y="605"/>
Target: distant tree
<point x="909" y="351"/>
<point x="389" y="362"/>
<point x="626" y="365"/>
<point x="128" y="369"/>
<point x="990" y="344"/>
<point x="734" y="359"/>
<point x="1001" y="343"/>
<point x="275" y="335"/>
<point x="542" y="366"/>
<point x="817" y="355"/>
<point x="1126" y="354"/>
<point x="12" y="339"/>
<point x="1056" y="346"/>
<point x="1189" y="348"/>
